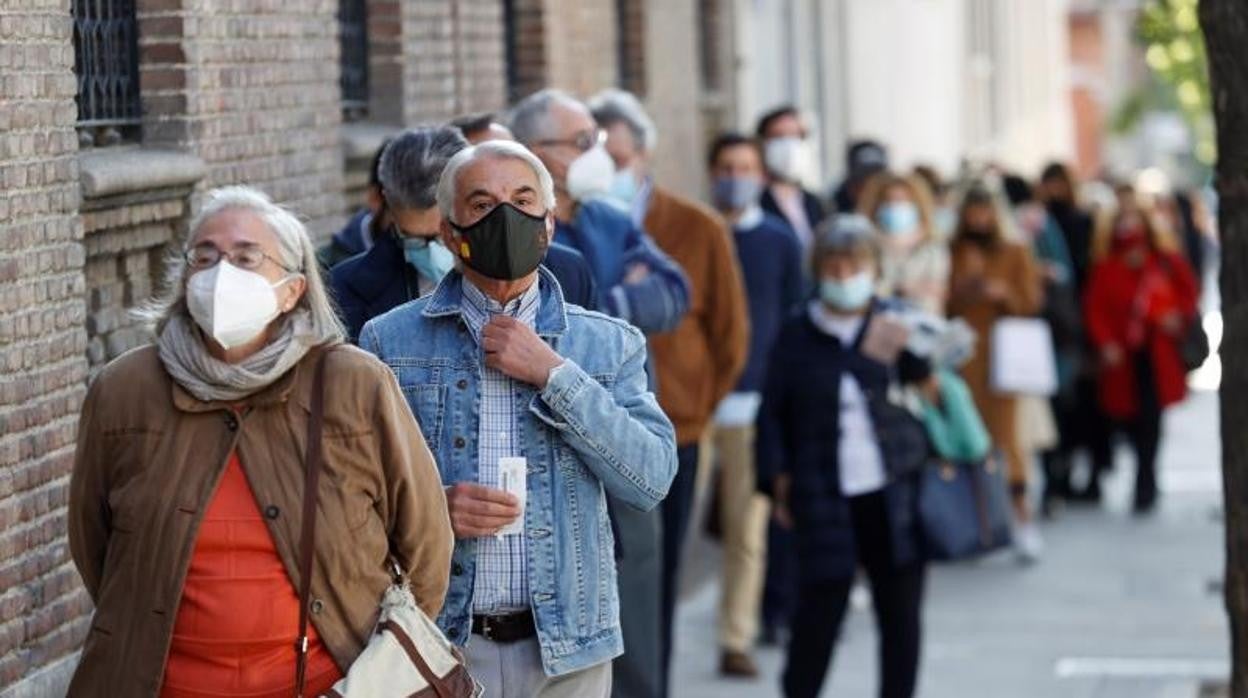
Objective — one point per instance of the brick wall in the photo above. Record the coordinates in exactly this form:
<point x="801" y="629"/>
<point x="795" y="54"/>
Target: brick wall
<point x="42" y="342"/>
<point x="581" y="48"/>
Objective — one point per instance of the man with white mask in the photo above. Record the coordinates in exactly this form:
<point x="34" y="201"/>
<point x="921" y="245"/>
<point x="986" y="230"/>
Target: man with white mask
<point x="637" y="282"/>
<point x="787" y="158"/>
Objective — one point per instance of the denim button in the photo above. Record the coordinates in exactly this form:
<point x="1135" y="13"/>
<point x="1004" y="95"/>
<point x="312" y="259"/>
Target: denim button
<point x="271" y="512"/>
<point x="459" y="442"/>
<point x="452" y="633"/>
<point x="461" y="384"/>
<point x="457" y="569"/>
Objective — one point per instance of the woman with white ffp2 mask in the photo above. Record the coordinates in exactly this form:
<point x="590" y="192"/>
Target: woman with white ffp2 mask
<point x="219" y="416"/>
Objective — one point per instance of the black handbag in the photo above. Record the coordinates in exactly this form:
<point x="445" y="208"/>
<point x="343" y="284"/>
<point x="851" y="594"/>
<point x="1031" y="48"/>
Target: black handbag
<point x="904" y="445"/>
<point x="1194" y="347"/>
<point x="964" y="509"/>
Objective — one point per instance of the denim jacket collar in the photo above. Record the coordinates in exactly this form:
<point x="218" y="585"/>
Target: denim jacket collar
<point x="552" y="316"/>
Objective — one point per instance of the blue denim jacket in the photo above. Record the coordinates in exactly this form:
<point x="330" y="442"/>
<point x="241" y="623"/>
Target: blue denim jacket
<point x="594" y="427"/>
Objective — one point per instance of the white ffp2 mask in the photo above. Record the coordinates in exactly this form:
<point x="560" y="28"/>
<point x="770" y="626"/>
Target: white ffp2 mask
<point x="231" y="305"/>
<point x="786" y="158"/>
<point x="590" y="174"/>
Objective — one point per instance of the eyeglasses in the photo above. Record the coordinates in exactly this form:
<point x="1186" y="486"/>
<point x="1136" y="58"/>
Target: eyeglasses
<point x="582" y="141"/>
<point x="249" y="257"/>
<point x="411" y="237"/>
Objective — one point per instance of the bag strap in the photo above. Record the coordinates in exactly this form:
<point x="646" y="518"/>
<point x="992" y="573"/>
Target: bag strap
<point x="307" y="540"/>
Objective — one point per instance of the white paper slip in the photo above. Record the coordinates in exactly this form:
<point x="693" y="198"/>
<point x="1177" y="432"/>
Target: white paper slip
<point x="513" y="477"/>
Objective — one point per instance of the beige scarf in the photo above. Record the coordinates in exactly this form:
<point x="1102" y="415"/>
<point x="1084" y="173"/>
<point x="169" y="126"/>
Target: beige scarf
<point x="187" y="360"/>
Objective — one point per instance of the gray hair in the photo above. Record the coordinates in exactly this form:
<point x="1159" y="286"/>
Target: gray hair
<point x="613" y="106"/>
<point x="845" y="234"/>
<point x="529" y="119"/>
<point x="448" y="186"/>
<point x="412" y="163"/>
<point x="295" y="252"/>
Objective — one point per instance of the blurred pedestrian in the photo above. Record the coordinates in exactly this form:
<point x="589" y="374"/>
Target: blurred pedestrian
<point x="638" y="283"/>
<point x="482" y="127"/>
<point x="1140" y="304"/>
<point x="1087" y="427"/>
<point x="944" y="216"/>
<point x="699" y="362"/>
<point x="771" y="267"/>
<point x="863" y="160"/>
<point x="914" y="260"/>
<point x="787" y="156"/>
<point x="410" y="260"/>
<point x="828" y="473"/>
<point x="1063" y="313"/>
<point x="368" y="223"/>
<point x="508" y="382"/>
<point x="183" y="520"/>
<point x="994" y="277"/>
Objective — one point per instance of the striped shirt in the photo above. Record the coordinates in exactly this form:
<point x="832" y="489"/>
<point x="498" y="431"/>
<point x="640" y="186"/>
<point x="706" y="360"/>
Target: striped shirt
<point x="502" y="580"/>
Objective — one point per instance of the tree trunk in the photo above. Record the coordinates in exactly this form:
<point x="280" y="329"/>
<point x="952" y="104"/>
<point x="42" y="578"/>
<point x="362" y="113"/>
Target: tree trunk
<point x="1225" y="25"/>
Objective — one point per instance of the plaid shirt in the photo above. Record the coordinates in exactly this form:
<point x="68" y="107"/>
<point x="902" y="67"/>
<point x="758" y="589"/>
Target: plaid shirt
<point x="502" y="579"/>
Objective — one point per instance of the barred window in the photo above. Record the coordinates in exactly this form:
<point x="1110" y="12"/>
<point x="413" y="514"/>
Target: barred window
<point x="630" y="32"/>
<point x="353" y="35"/>
<point x="106" y="63"/>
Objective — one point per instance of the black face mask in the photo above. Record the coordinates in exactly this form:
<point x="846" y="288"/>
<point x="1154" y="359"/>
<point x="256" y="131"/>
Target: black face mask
<point x="507" y="244"/>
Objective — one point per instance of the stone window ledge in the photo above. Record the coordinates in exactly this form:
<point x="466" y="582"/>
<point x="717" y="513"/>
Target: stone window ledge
<point x="361" y="139"/>
<point x="120" y="171"/>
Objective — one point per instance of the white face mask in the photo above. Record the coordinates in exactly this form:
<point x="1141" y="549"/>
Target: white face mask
<point x="231" y="305"/>
<point x="590" y="174"/>
<point x="786" y="158"/>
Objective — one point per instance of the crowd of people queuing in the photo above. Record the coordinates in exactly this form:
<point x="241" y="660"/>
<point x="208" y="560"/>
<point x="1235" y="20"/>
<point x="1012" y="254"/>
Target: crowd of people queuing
<point x="522" y="301"/>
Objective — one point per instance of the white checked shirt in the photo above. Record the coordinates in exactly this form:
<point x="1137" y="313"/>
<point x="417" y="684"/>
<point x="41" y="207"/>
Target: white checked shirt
<point x="502" y="577"/>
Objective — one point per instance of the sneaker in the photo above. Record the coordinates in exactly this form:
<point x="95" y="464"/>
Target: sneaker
<point x="1028" y="544"/>
<point x="737" y="665"/>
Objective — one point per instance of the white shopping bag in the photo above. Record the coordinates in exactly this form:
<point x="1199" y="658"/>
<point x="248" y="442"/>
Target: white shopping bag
<point x="1021" y="358"/>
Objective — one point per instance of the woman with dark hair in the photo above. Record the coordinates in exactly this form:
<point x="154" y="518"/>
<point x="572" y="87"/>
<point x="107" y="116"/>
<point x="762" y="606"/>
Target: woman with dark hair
<point x="994" y="277"/>
<point x="1140" y="303"/>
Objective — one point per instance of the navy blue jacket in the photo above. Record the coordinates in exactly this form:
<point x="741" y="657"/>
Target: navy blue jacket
<point x="815" y="211"/>
<point x="799" y="424"/>
<point x="771" y="264"/>
<point x="372" y="283"/>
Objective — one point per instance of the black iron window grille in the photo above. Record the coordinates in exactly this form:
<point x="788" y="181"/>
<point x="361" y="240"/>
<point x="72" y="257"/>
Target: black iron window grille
<point x="353" y="35"/>
<point x="106" y="64"/>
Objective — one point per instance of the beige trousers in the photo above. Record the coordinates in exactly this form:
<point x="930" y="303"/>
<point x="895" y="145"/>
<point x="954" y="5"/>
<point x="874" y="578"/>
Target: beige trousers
<point x="743" y="519"/>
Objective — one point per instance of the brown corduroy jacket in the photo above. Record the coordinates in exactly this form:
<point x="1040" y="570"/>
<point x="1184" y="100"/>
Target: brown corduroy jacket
<point x="699" y="362"/>
<point x="148" y="462"/>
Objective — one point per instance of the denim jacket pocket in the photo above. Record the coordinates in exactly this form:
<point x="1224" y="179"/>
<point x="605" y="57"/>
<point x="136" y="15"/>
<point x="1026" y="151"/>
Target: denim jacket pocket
<point x="428" y="404"/>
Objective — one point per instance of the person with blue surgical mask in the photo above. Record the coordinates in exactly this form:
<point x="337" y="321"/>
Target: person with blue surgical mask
<point x="848" y="501"/>
<point x="914" y="261"/>
<point x="408" y="259"/>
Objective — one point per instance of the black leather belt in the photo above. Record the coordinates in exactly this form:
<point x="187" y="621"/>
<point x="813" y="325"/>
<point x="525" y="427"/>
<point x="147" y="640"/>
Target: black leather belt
<point x="511" y="627"/>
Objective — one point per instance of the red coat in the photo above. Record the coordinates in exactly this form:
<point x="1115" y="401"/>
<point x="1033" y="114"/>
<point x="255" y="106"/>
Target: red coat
<point x="1125" y="306"/>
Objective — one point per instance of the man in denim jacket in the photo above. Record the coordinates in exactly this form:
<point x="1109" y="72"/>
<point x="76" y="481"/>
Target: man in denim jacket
<point x="497" y="369"/>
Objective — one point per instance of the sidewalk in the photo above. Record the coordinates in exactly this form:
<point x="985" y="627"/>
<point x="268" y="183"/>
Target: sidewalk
<point x="1118" y="608"/>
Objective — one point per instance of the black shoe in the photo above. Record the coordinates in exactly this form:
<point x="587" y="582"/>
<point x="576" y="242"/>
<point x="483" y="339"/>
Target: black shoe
<point x="1144" y="504"/>
<point x="1088" y="495"/>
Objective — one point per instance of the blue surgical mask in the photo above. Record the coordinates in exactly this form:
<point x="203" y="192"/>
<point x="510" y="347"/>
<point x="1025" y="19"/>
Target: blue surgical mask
<point x="898" y="217"/>
<point x="429" y="258"/>
<point x="624" y="186"/>
<point x="735" y="193"/>
<point x="848" y="294"/>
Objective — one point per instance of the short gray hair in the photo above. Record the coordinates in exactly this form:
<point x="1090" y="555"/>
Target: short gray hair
<point x="613" y="106"/>
<point x="412" y="163"/>
<point x="529" y="119"/>
<point x="295" y="253"/>
<point x="845" y="234"/>
<point x="448" y="186"/>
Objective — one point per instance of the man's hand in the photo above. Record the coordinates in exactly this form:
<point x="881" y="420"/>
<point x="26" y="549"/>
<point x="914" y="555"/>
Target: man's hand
<point x="515" y="349"/>
<point x="636" y="273"/>
<point x="478" y="511"/>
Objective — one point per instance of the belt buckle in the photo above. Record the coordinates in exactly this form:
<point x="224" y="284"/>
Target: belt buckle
<point x="487" y="626"/>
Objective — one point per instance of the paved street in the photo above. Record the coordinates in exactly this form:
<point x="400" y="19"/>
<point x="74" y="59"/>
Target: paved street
<point x="1119" y="607"/>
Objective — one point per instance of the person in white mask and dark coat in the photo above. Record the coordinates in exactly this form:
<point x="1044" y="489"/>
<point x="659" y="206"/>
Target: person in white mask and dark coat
<point x="787" y="156"/>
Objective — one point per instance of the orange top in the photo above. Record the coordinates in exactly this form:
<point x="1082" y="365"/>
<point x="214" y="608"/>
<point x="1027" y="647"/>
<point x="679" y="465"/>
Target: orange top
<point x="236" y="626"/>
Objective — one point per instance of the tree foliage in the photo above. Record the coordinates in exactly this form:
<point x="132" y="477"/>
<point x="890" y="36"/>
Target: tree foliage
<point x="1175" y="52"/>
